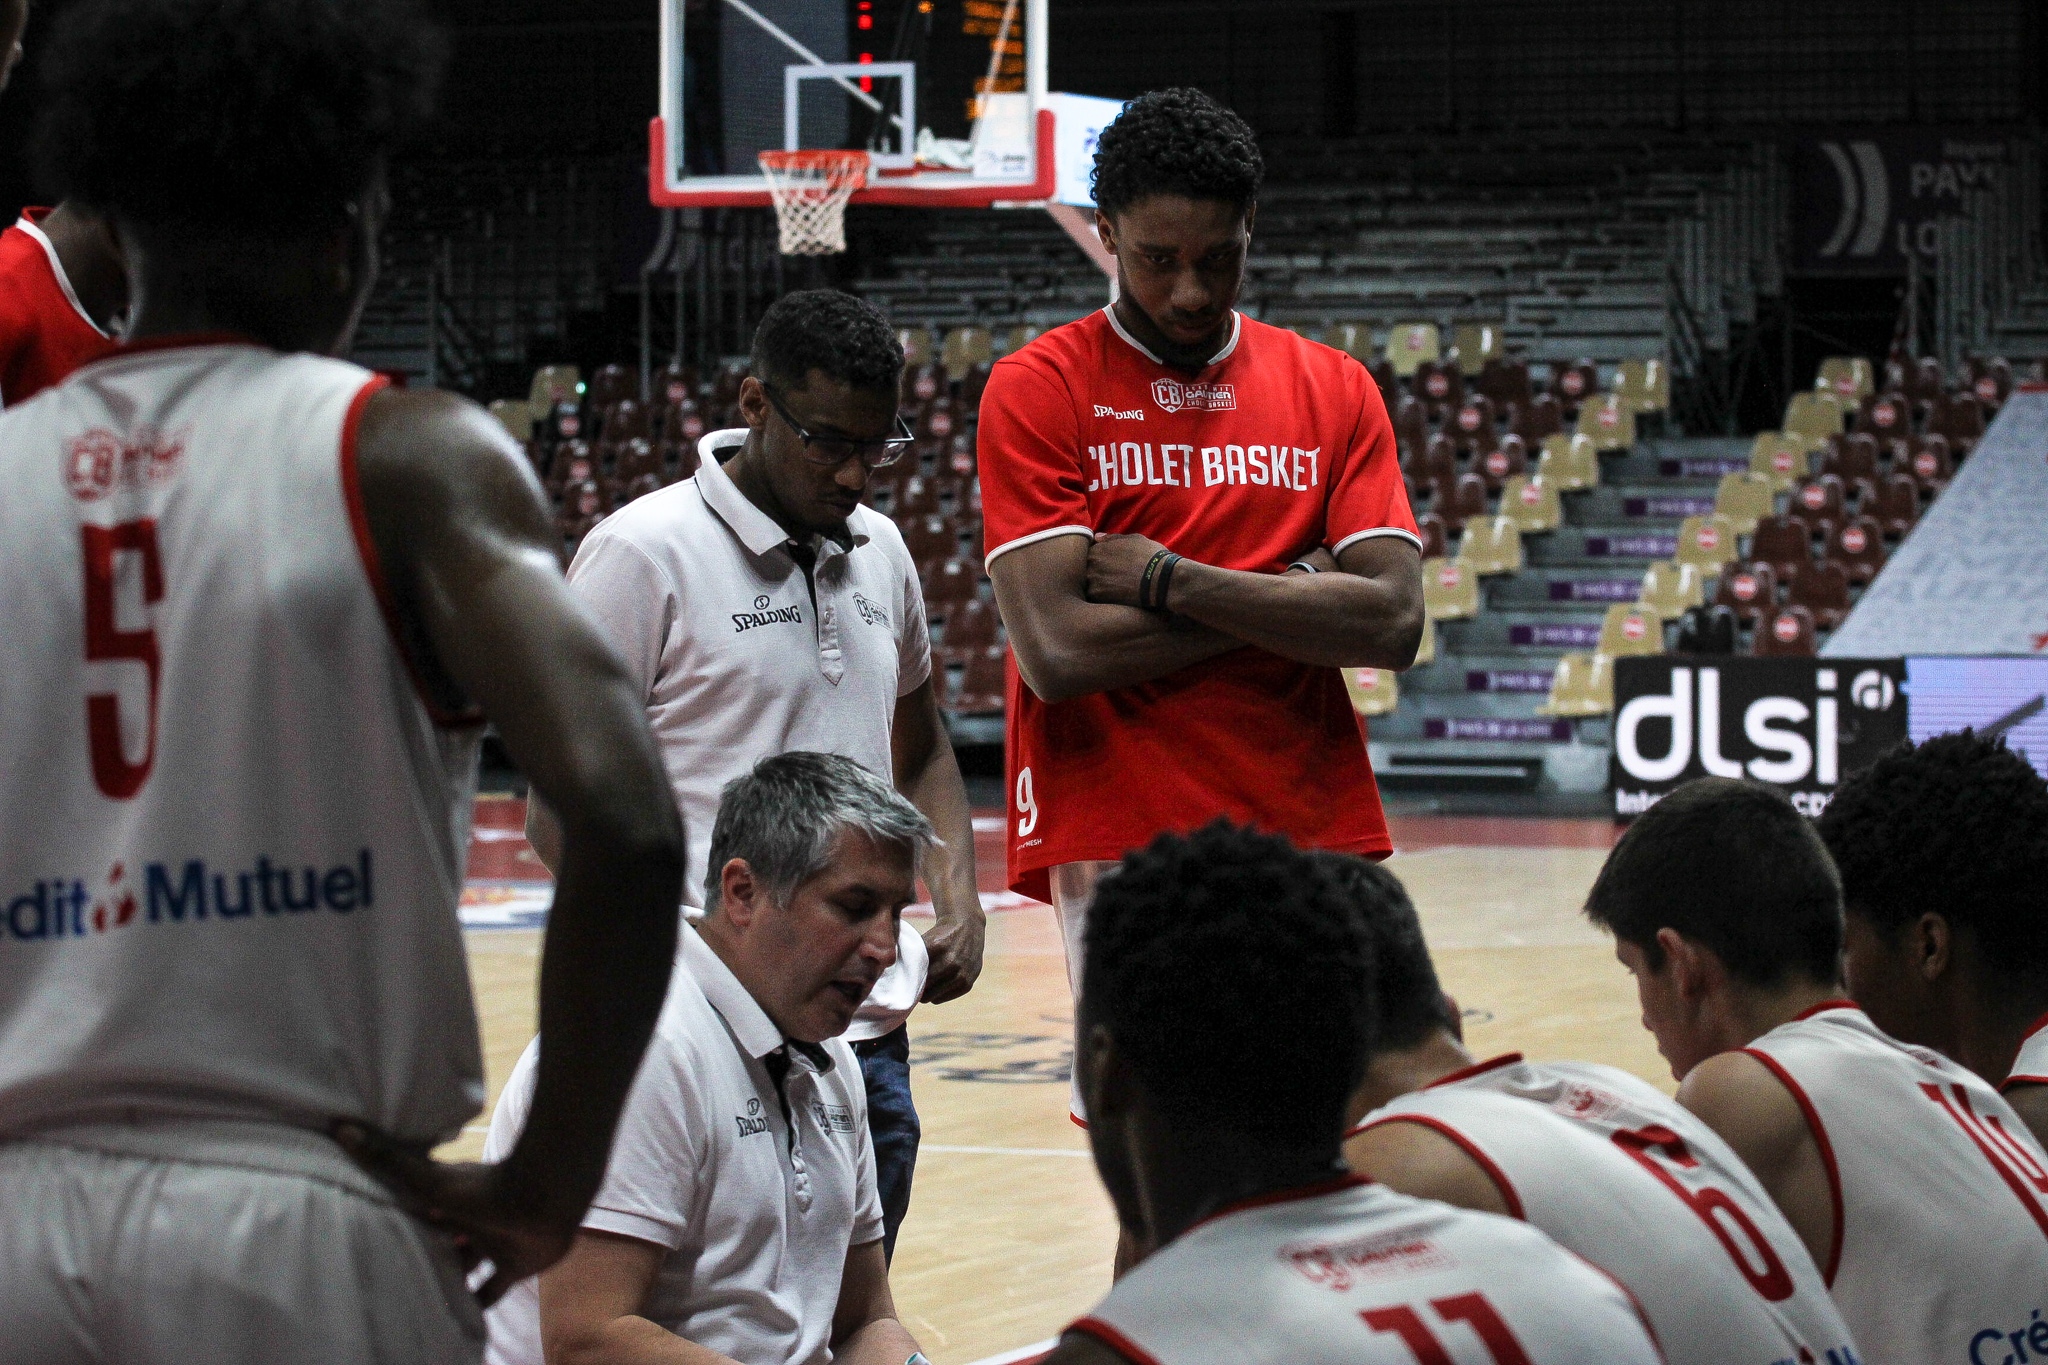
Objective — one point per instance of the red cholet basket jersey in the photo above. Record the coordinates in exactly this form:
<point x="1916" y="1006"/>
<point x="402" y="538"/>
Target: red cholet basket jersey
<point x="1278" y="446"/>
<point x="44" y="331"/>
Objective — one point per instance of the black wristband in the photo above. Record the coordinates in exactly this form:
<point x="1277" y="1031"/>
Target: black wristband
<point x="1145" y="580"/>
<point x="1165" y="581"/>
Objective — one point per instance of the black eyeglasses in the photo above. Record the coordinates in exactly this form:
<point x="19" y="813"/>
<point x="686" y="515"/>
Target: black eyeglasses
<point x="837" y="450"/>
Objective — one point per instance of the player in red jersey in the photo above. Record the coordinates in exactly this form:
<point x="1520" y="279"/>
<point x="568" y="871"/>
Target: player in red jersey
<point x="61" y="290"/>
<point x="61" y="278"/>
<point x="1149" y="475"/>
<point x="1943" y="851"/>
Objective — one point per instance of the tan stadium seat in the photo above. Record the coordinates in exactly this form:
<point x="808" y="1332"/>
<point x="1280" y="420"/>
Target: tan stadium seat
<point x="1644" y="385"/>
<point x="1477" y="343"/>
<point x="964" y="348"/>
<point x="1583" y="685"/>
<point x="1531" y="504"/>
<point x="554" y="384"/>
<point x="1491" y="545"/>
<point x="1425" y="652"/>
<point x="1671" y="588"/>
<point x="1847" y="375"/>
<point x="1570" y="464"/>
<point x="1608" y="421"/>
<point x="1353" y="339"/>
<point x="1450" y="590"/>
<point x="1018" y="337"/>
<point x="1815" y="412"/>
<point x="1629" y="630"/>
<point x="516" y="416"/>
<point x="1708" y="542"/>
<point x="1745" y="499"/>
<point x="917" y="346"/>
<point x="1785" y="457"/>
<point x="1409" y="344"/>
<point x="1373" y="690"/>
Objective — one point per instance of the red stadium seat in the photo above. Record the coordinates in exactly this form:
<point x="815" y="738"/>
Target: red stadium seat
<point x="1748" y="590"/>
<point x="1382" y="372"/>
<point x="1440" y="459"/>
<point x="973" y="384"/>
<point x="1411" y="425"/>
<point x="574" y="462"/>
<point x="609" y="385"/>
<point x="1440" y="384"/>
<point x="1505" y="381"/>
<point x="1885" y="416"/>
<point x="1924" y="380"/>
<point x="1574" y="383"/>
<point x="636" y="457"/>
<point x="1991" y="381"/>
<point x="1471" y="426"/>
<point x="1431" y="527"/>
<point x="929" y="539"/>
<point x="919" y="497"/>
<point x="1504" y="462"/>
<point x="937" y="420"/>
<point x="725" y="385"/>
<point x="1851" y="457"/>
<point x="1460" y="500"/>
<point x="683" y="421"/>
<point x="921" y="384"/>
<point x="1786" y="633"/>
<point x="640" y="486"/>
<point x="1858" y="546"/>
<point x="1960" y="418"/>
<point x="972" y="625"/>
<point x="675" y="382"/>
<point x="1898" y="504"/>
<point x="1931" y="464"/>
<point x="1823" y="589"/>
<point x="1816" y="501"/>
<point x="1783" y="543"/>
<point x="981" y="686"/>
<point x="950" y="584"/>
<point x="1536" y="419"/>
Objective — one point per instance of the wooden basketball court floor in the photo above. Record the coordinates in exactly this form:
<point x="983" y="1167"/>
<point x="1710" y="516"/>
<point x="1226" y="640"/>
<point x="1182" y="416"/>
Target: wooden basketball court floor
<point x="1009" y="1236"/>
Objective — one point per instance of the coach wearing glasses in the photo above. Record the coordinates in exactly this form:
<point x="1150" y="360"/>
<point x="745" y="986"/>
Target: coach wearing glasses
<point x="761" y="609"/>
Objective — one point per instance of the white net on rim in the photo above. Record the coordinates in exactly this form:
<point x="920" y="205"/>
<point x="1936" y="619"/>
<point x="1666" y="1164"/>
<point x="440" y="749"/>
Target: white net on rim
<point x="810" y="190"/>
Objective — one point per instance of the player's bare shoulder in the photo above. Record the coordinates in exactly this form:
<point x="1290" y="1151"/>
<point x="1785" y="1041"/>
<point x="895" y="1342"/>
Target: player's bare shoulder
<point x="1414" y="1158"/>
<point x="425" y="456"/>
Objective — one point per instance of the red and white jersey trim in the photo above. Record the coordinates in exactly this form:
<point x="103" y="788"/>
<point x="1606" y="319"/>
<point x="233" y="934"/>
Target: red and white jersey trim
<point x="1021" y="541"/>
<point x="1236" y="330"/>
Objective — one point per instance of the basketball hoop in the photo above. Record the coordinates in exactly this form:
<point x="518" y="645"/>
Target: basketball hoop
<point x="810" y="190"/>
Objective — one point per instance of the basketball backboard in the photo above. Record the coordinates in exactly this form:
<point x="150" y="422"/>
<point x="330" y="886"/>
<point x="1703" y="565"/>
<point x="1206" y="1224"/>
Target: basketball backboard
<point x="948" y="98"/>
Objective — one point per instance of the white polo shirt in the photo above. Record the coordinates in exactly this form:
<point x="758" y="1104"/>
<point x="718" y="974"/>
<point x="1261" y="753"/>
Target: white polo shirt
<point x="698" y="591"/>
<point x="756" y="1204"/>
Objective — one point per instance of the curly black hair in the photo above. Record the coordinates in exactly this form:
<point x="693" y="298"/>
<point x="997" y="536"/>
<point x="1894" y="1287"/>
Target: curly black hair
<point x="1957" y="825"/>
<point x="1176" y="142"/>
<point x="1410" y="1000"/>
<point x="844" y="337"/>
<point x="1734" y="867"/>
<point x="268" y="116"/>
<point x="1236" y="980"/>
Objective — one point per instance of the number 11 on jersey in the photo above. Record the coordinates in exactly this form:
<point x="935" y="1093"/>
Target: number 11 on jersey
<point x="1471" y="1309"/>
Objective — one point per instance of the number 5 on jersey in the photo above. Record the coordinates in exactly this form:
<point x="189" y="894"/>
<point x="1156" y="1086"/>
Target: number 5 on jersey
<point x="105" y="642"/>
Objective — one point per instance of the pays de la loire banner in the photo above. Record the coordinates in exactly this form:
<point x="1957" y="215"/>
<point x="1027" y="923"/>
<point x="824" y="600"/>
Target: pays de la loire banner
<point x="1802" y="725"/>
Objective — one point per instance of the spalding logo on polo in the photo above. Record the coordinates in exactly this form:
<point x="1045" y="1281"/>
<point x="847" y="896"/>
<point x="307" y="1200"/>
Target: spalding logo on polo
<point x="753" y="1122"/>
<point x="100" y="461"/>
<point x="187" y="893"/>
<point x="747" y="620"/>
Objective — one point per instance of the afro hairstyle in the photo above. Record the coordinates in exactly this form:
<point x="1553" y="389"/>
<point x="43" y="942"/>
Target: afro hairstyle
<point x="1177" y="142"/>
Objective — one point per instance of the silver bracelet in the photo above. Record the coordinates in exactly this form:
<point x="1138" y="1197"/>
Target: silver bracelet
<point x="1304" y="564"/>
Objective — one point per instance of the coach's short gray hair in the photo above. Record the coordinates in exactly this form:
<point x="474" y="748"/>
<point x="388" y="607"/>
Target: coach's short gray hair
<point x="784" y="815"/>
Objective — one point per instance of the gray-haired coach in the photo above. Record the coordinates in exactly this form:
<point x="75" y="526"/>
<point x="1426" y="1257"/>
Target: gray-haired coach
<point x="761" y="609"/>
<point x="738" y="1219"/>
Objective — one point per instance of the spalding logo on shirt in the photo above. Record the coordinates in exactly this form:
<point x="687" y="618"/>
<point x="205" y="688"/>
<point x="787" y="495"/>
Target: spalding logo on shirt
<point x="753" y="1122"/>
<point x="747" y="620"/>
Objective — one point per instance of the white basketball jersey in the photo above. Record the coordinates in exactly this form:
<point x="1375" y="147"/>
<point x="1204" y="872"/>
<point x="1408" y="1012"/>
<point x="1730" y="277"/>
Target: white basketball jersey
<point x="1618" y="1172"/>
<point x="2031" y="1066"/>
<point x="1941" y="1193"/>
<point x="1351" y="1273"/>
<point x="231" y="836"/>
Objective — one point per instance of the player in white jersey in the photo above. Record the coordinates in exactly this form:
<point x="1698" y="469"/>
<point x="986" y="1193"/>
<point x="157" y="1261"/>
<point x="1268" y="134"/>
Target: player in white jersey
<point x="1920" y="1193"/>
<point x="1943" y="851"/>
<point x="256" y="603"/>
<point x="1224" y="1020"/>
<point x="1602" y="1162"/>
